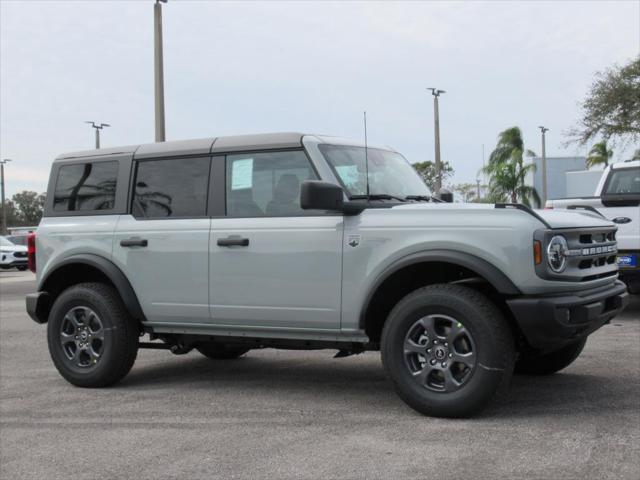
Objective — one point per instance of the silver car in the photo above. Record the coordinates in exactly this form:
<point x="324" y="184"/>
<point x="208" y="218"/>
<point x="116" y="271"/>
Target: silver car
<point x="298" y="241"/>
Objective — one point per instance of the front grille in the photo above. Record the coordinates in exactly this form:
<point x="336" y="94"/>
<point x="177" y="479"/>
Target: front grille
<point x="591" y="255"/>
<point x="20" y="254"/>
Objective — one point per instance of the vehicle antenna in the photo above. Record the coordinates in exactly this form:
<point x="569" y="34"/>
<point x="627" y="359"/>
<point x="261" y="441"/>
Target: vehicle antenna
<point x="366" y="154"/>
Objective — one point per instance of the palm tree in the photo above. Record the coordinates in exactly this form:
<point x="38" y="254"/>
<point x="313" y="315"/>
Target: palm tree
<point x="599" y="154"/>
<point x="507" y="170"/>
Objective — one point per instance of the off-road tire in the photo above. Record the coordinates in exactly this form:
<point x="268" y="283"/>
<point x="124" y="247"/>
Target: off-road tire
<point x="485" y="324"/>
<point x="550" y="363"/>
<point x="216" y="351"/>
<point x="121" y="334"/>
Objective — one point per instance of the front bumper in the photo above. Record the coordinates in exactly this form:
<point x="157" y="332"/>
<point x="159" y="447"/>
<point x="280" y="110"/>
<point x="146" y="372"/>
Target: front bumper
<point x="15" y="263"/>
<point x="550" y="322"/>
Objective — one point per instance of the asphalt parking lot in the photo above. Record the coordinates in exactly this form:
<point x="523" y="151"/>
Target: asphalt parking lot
<point x="279" y="414"/>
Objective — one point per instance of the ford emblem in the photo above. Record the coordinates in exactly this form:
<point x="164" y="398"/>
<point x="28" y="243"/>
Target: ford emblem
<point x="621" y="220"/>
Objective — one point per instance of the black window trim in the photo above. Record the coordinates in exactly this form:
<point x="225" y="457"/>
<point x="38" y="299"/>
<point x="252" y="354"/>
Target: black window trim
<point x="134" y="174"/>
<point x="269" y="150"/>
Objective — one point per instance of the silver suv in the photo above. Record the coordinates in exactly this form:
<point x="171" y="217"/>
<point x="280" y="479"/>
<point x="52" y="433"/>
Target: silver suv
<point x="296" y="241"/>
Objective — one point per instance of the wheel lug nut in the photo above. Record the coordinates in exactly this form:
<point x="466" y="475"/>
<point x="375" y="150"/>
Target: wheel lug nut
<point x="435" y="342"/>
<point x="450" y="355"/>
<point x="433" y="362"/>
<point x="428" y="349"/>
<point x="444" y="364"/>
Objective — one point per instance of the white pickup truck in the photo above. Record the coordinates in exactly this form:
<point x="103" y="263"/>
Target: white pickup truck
<point x="617" y="198"/>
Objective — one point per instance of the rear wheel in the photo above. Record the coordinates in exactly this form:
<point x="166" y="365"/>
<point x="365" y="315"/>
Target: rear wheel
<point x="93" y="340"/>
<point x="550" y="362"/>
<point x="217" y="351"/>
<point x="448" y="350"/>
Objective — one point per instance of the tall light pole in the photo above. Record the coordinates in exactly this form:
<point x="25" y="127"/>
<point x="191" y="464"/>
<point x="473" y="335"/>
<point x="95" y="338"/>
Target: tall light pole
<point x="436" y="127"/>
<point x="98" y="127"/>
<point x="544" y="130"/>
<point x="4" y="206"/>
<point x="158" y="70"/>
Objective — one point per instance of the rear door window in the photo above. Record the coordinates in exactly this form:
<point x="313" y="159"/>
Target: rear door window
<point x="175" y="188"/>
<point x="86" y="187"/>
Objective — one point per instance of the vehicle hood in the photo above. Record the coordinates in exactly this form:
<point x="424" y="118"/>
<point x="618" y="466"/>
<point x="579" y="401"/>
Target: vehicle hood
<point x="556" y="219"/>
<point x="568" y="219"/>
<point x="14" y="248"/>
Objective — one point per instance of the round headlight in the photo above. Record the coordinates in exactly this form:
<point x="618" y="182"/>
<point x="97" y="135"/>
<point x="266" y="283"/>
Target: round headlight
<point x="557" y="253"/>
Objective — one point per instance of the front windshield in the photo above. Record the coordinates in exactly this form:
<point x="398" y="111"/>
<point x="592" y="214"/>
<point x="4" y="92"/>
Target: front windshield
<point x="5" y="243"/>
<point x="389" y="172"/>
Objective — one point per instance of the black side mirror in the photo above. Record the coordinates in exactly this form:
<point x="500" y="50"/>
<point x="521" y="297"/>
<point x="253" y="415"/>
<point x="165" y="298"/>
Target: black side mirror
<point x="445" y="195"/>
<point x="317" y="195"/>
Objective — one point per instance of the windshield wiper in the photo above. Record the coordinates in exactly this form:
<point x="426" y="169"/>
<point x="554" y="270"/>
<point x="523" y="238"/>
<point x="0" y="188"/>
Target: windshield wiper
<point x="423" y="198"/>
<point x="376" y="196"/>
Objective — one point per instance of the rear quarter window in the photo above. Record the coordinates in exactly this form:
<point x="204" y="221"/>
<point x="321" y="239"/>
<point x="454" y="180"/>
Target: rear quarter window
<point x="87" y="186"/>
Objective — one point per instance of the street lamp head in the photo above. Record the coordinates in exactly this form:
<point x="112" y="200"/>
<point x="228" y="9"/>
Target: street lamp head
<point x="162" y="1"/>
<point x="543" y="129"/>
<point x="5" y="160"/>
<point x="435" y="92"/>
<point x="104" y="125"/>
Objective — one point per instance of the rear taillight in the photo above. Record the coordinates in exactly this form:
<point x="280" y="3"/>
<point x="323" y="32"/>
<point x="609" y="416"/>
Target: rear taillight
<point x="31" y="251"/>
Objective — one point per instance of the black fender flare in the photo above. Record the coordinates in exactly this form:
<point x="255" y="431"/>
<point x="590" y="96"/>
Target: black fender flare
<point x="496" y="278"/>
<point x="111" y="271"/>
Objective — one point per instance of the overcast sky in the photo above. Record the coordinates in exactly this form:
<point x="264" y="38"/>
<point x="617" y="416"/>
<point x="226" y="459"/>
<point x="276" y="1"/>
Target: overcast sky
<point x="247" y="67"/>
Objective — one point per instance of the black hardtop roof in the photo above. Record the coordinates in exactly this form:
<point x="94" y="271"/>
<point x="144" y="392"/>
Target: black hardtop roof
<point x="235" y="143"/>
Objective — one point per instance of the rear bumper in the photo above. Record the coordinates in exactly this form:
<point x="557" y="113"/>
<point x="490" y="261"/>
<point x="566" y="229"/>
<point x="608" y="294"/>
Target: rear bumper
<point x="549" y="322"/>
<point x="38" y="306"/>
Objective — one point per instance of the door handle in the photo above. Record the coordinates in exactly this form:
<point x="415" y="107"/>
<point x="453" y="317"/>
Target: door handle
<point x="233" y="241"/>
<point x="134" y="242"/>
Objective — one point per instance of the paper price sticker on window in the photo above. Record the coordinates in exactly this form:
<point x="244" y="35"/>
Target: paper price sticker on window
<point x="242" y="174"/>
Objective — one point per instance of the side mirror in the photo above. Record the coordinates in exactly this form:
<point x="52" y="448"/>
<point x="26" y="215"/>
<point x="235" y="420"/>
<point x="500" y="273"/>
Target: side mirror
<point x="445" y="195"/>
<point x="317" y="195"/>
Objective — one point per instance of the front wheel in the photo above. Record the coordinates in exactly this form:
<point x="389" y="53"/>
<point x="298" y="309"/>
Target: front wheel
<point x="448" y="350"/>
<point x="93" y="341"/>
<point x="550" y="362"/>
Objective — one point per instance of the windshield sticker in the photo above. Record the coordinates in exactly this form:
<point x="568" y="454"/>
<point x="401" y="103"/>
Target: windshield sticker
<point x="242" y="174"/>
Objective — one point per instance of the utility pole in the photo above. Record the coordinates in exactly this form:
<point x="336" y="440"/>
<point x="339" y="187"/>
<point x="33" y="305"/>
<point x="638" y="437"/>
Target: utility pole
<point x="544" y="130"/>
<point x="98" y="127"/>
<point x="478" y="183"/>
<point x="158" y="70"/>
<point x="436" y="127"/>
<point x="3" y="230"/>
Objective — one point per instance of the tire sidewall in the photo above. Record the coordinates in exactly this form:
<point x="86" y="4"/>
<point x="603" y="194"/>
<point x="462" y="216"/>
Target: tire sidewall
<point x="82" y="297"/>
<point x="487" y="376"/>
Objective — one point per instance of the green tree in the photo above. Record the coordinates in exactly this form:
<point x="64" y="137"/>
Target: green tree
<point x="427" y="170"/>
<point x="507" y="171"/>
<point x="612" y="106"/>
<point x="467" y="190"/>
<point x="599" y="154"/>
<point x="29" y="207"/>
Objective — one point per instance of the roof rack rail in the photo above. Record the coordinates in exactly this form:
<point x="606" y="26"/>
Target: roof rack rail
<point x="524" y="208"/>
